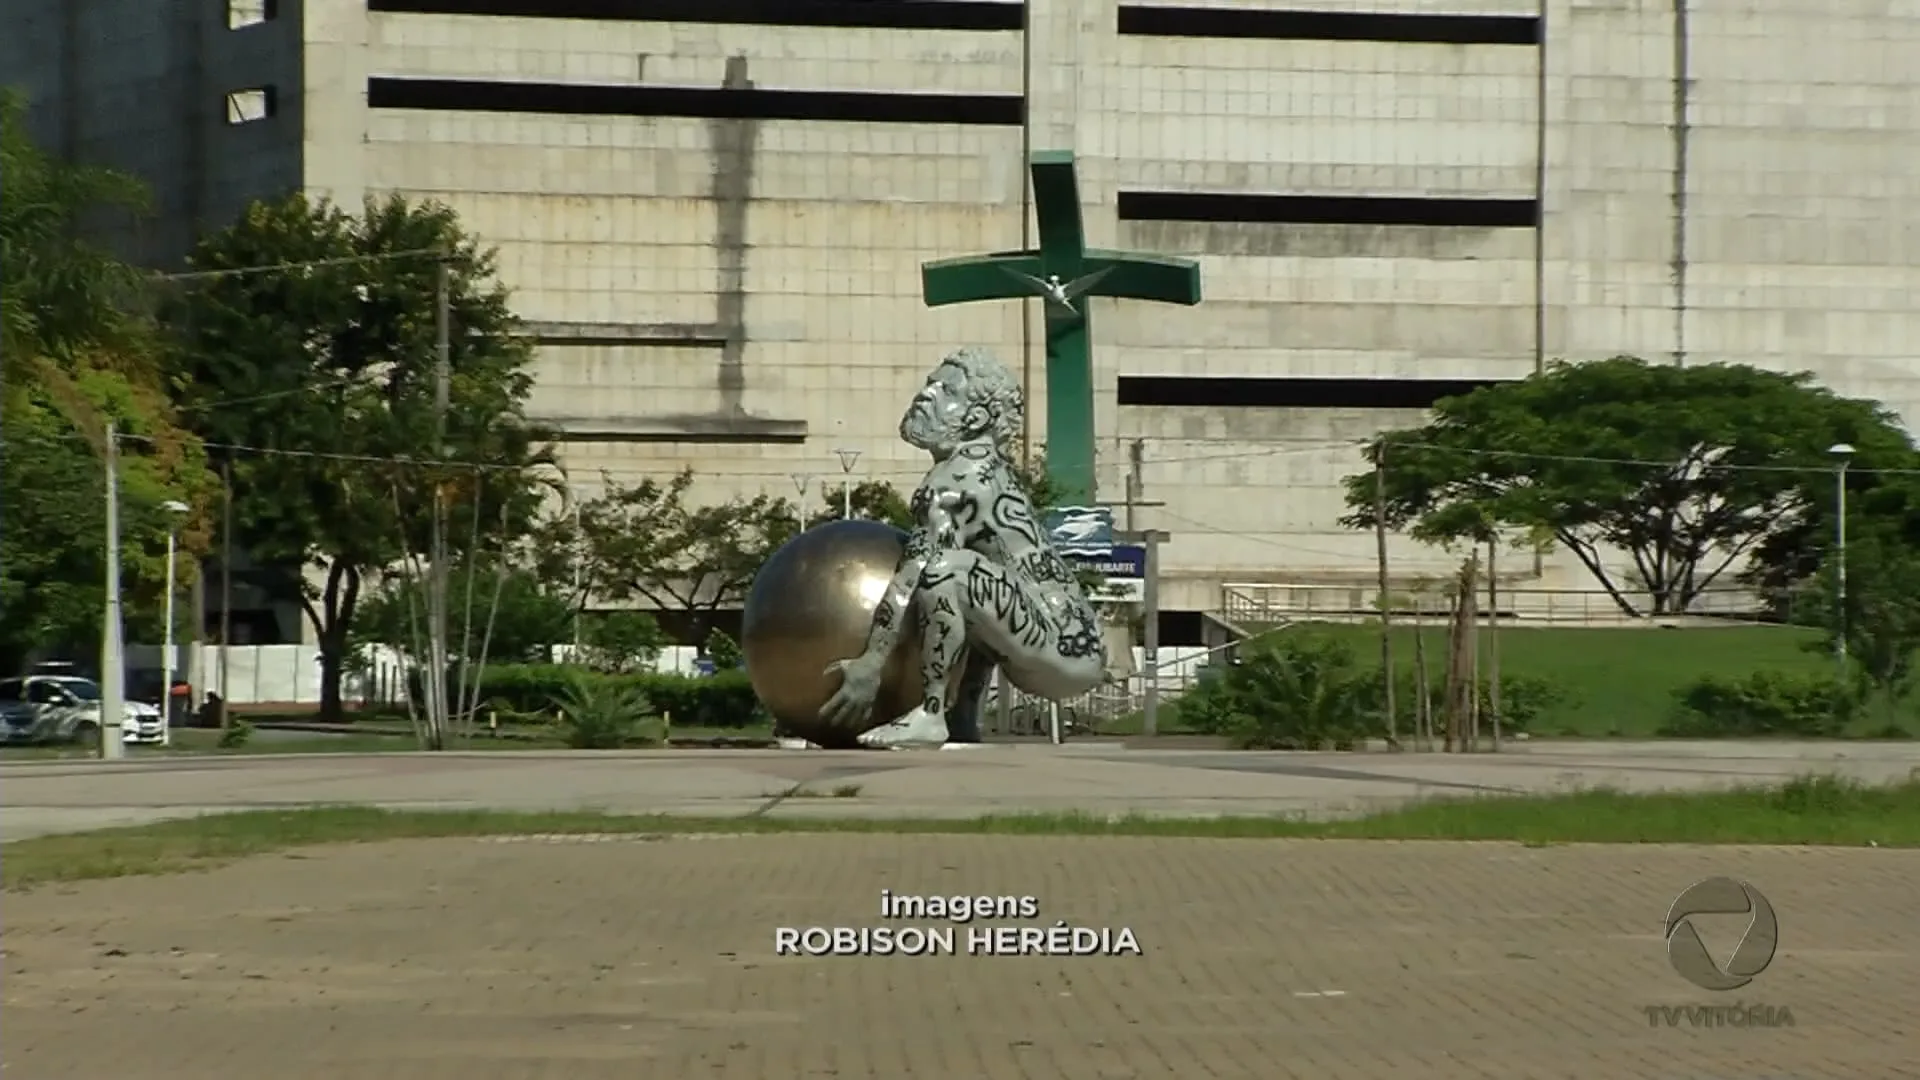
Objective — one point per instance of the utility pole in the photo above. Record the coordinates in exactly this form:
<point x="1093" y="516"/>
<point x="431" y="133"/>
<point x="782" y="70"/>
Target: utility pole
<point x="175" y="510"/>
<point x="579" y="573"/>
<point x="1493" y="636"/>
<point x="113" y="661"/>
<point x="1843" y="454"/>
<point x="226" y="586"/>
<point x="1150" y="601"/>
<point x="196" y="641"/>
<point x="1150" y="648"/>
<point x="1386" y="599"/>
<point x="1136" y="482"/>
<point x="436" y="683"/>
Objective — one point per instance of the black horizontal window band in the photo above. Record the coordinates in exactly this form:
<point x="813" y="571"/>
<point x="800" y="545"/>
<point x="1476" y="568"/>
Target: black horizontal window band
<point x="571" y="99"/>
<point x="1328" y="210"/>
<point x="866" y="14"/>
<point x="1252" y="392"/>
<point x="1273" y="25"/>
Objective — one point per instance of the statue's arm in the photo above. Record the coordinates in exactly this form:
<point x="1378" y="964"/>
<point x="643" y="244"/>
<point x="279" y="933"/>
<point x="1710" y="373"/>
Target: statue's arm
<point x="933" y="533"/>
<point x="889" y="617"/>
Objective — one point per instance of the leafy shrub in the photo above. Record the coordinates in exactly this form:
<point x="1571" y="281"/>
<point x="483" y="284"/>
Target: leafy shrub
<point x="723" y="700"/>
<point x="1524" y="699"/>
<point x="620" y="642"/>
<point x="723" y="651"/>
<point x="1763" y="703"/>
<point x="235" y="735"/>
<point x="1299" y="692"/>
<point x="1306" y="691"/>
<point x="599" y="714"/>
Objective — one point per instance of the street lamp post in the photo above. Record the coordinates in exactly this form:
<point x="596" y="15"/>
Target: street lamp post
<point x="801" y="481"/>
<point x="1843" y="455"/>
<point x="113" y="656"/>
<point x="848" y="459"/>
<point x="579" y="572"/>
<point x="175" y="510"/>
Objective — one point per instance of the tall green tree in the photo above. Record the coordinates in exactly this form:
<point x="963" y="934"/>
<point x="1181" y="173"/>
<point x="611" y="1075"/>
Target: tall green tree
<point x="619" y="642"/>
<point x="650" y="542"/>
<point x="878" y="500"/>
<point x="64" y="296"/>
<point x="77" y="352"/>
<point x="1683" y="471"/>
<point x="1879" y="622"/>
<point x="498" y="612"/>
<point x="310" y="340"/>
<point x="873" y="500"/>
<point x="1882" y="507"/>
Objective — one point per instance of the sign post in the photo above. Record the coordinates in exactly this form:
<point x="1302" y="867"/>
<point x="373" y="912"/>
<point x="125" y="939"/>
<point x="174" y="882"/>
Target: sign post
<point x="1150" y="648"/>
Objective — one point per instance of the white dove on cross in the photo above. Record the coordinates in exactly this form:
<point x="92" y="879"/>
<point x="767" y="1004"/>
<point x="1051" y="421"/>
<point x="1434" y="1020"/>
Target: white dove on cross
<point x="1075" y="529"/>
<point x="1060" y="295"/>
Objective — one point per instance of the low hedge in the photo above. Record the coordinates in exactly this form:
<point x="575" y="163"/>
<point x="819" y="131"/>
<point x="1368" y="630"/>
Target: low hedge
<point x="722" y="700"/>
<point x="1309" y="690"/>
<point x="1765" y="703"/>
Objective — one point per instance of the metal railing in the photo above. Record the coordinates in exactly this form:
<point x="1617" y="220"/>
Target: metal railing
<point x="1264" y="603"/>
<point x="1100" y="707"/>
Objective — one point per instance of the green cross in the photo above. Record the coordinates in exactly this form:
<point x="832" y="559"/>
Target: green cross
<point x="1077" y="274"/>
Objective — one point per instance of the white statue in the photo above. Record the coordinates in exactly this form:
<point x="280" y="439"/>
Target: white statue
<point x="991" y="588"/>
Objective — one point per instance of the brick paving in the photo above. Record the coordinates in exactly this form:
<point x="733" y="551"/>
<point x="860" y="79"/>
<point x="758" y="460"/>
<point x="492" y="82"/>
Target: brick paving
<point x="630" y="959"/>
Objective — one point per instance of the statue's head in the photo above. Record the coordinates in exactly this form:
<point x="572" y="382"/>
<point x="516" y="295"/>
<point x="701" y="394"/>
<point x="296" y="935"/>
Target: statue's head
<point x="970" y="395"/>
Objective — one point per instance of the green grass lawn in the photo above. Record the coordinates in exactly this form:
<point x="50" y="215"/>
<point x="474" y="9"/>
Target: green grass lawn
<point x="1620" y="682"/>
<point x="1814" y="810"/>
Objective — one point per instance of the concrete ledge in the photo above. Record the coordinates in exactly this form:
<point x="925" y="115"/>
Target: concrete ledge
<point x="667" y="335"/>
<point x="710" y="428"/>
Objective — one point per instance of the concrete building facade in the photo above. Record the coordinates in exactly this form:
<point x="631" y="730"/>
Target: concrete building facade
<point x="712" y="214"/>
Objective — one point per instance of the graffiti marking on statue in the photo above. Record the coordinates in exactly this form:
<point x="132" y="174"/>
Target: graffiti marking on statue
<point x="1012" y="512"/>
<point x="989" y="584"/>
<point x="993" y="591"/>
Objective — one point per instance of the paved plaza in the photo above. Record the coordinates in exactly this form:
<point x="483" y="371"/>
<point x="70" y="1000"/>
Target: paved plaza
<point x="639" y="957"/>
<point x="1094" y="777"/>
<point x="1263" y="960"/>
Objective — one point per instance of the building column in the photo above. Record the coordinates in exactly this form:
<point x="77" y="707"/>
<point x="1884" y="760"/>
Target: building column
<point x="333" y="99"/>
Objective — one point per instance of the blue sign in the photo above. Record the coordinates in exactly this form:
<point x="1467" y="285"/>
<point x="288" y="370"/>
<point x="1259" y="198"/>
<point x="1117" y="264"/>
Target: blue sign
<point x="1124" y="561"/>
<point x="703" y="665"/>
<point x="1081" y="530"/>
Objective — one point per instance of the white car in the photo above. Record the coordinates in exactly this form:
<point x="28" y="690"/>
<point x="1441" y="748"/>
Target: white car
<point x="66" y="709"/>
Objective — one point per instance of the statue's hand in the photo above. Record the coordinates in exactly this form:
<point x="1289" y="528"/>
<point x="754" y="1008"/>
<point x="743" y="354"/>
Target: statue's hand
<point x="859" y="688"/>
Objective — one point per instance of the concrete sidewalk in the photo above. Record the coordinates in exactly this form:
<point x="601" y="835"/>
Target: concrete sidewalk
<point x="38" y="798"/>
<point x="553" y="958"/>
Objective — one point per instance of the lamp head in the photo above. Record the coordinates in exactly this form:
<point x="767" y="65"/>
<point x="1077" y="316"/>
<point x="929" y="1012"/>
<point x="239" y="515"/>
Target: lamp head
<point x="1841" y="450"/>
<point x="175" y="506"/>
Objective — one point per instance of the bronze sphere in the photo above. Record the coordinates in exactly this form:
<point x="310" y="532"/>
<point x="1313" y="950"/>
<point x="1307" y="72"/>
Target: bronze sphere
<point x="812" y="603"/>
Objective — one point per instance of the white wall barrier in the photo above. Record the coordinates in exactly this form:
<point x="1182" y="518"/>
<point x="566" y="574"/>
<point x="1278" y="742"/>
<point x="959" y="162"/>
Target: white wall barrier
<point x="258" y="674"/>
<point x="290" y="674"/>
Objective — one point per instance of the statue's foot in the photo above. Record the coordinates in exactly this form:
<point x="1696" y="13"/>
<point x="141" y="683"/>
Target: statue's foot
<point x="917" y="728"/>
